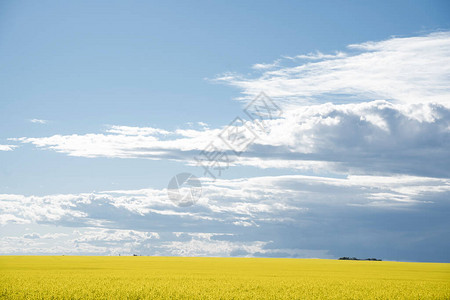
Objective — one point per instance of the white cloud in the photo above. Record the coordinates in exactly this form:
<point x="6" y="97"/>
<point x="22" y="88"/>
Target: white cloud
<point x="33" y="235"/>
<point x="128" y="142"/>
<point x="7" y="147"/>
<point x="38" y="121"/>
<point x="115" y="235"/>
<point x="204" y="247"/>
<point x="6" y="218"/>
<point x="263" y="66"/>
<point x="51" y="236"/>
<point x="141" y="131"/>
<point x="318" y="56"/>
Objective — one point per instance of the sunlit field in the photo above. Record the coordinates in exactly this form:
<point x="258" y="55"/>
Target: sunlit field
<point x="76" y="277"/>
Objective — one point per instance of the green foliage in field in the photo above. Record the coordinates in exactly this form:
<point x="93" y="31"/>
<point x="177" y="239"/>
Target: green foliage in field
<point x="75" y="277"/>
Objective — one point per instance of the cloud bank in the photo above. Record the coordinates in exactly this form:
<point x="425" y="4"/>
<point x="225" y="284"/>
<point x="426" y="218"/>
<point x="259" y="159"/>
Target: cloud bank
<point x="245" y="217"/>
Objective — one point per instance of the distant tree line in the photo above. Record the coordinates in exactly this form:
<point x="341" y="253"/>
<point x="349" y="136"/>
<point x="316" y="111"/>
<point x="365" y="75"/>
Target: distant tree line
<point x="354" y="258"/>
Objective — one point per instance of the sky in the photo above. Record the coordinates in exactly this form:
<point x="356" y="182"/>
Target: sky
<point x="315" y="129"/>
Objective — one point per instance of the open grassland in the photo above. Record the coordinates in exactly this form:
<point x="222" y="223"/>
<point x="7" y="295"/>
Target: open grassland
<point x="77" y="277"/>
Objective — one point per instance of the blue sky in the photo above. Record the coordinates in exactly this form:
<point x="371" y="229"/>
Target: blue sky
<point x="99" y="97"/>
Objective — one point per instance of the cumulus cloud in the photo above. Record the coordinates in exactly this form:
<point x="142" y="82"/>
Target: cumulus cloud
<point x="362" y="138"/>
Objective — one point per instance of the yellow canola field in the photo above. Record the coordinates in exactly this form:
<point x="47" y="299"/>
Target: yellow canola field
<point x="88" y="277"/>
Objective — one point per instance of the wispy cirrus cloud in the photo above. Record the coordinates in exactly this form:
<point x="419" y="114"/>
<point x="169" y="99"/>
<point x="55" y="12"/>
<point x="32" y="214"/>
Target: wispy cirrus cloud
<point x="317" y="56"/>
<point x="402" y="70"/>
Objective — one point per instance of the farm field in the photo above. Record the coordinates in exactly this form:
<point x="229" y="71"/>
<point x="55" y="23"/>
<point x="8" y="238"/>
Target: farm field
<point x="88" y="277"/>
